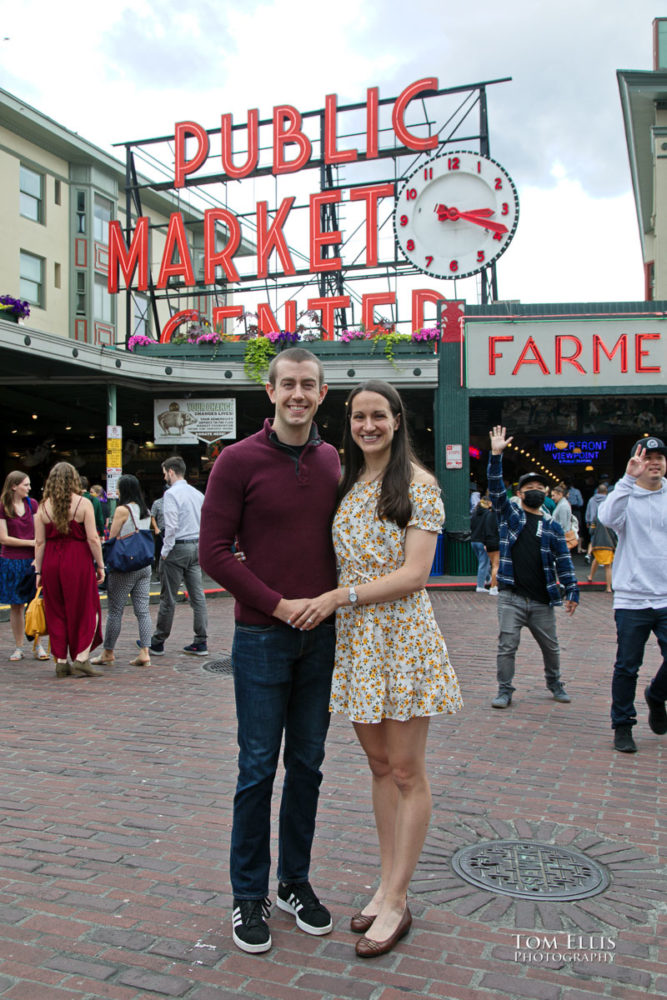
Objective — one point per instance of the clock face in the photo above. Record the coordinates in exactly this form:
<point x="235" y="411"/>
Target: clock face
<point x="456" y="214"/>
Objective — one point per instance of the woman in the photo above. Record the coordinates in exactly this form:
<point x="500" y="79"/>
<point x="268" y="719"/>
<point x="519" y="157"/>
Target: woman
<point x="603" y="547"/>
<point x="562" y="512"/>
<point x="17" y="573"/>
<point x="392" y="669"/>
<point x="68" y="561"/>
<point x="130" y="515"/>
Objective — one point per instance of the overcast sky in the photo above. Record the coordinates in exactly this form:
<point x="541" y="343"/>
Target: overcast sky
<point x="127" y="70"/>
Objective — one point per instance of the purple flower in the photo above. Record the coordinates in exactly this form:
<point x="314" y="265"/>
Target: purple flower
<point x="348" y="336"/>
<point x="19" y="307"/>
<point x="139" y="341"/>
<point x="283" y="337"/>
<point x="426" y="333"/>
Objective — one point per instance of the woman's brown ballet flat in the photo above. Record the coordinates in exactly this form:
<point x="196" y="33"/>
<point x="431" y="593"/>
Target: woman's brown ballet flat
<point x="360" y="922"/>
<point x="82" y="668"/>
<point x="365" y="948"/>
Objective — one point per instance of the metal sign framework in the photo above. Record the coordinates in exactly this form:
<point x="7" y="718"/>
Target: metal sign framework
<point x="462" y="102"/>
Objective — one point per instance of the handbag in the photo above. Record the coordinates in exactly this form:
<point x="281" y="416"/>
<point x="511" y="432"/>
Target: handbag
<point x="35" y="619"/>
<point x="572" y="535"/>
<point x="130" y="552"/>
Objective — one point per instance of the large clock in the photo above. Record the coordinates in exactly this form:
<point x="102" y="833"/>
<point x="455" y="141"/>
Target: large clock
<point x="456" y="214"/>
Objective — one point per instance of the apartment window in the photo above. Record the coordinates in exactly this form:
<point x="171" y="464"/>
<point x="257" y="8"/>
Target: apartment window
<point x="56" y="275"/>
<point x="56" y="193"/>
<point x="81" y="293"/>
<point x="81" y="211"/>
<point x="102" y="301"/>
<point x="31" y="278"/>
<point x="102" y="216"/>
<point x="140" y="325"/>
<point x="31" y="198"/>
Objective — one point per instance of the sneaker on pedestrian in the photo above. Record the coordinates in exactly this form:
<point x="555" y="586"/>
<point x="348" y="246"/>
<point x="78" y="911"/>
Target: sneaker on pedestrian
<point x="156" y="648"/>
<point x="480" y="590"/>
<point x="560" y="694"/>
<point x="657" y="716"/>
<point x="250" y="930"/>
<point x="502" y="700"/>
<point x="299" y="899"/>
<point x="493" y="591"/>
<point x="196" y="649"/>
<point x="623" y="740"/>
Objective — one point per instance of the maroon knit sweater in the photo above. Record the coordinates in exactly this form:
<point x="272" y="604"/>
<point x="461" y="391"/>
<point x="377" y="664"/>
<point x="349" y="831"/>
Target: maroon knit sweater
<point x="279" y="510"/>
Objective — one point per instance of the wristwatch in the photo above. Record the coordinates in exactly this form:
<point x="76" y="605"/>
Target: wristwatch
<point x="353" y="596"/>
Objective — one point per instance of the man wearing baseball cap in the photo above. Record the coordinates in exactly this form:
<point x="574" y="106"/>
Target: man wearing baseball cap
<point x="534" y="558"/>
<point x="637" y="511"/>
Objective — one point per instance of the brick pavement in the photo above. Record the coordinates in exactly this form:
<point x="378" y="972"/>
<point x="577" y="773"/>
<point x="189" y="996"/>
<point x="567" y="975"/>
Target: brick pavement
<point x="115" y="815"/>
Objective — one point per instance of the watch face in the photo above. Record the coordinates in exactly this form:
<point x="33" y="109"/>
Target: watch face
<point x="456" y="214"/>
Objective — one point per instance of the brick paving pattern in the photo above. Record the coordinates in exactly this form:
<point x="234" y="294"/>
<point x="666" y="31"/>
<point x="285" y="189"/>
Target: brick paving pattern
<point x="115" y="812"/>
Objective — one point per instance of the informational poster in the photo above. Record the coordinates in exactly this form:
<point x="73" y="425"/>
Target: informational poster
<point x="187" y="421"/>
<point x="114" y="459"/>
<point x="453" y="456"/>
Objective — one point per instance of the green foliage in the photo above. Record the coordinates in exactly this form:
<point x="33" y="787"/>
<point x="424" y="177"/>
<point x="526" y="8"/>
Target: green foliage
<point x="257" y="358"/>
<point x="388" y="340"/>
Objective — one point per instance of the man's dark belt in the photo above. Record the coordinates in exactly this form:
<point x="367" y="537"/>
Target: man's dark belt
<point x="186" y="541"/>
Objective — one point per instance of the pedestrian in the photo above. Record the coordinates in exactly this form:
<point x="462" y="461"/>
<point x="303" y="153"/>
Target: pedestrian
<point x="130" y="515"/>
<point x="533" y="559"/>
<point x="636" y="510"/>
<point x="96" y="502"/>
<point x="179" y="559"/>
<point x="576" y="501"/>
<point x="484" y="533"/>
<point x="275" y="493"/>
<point x="603" y="547"/>
<point x="477" y="532"/>
<point x="157" y="524"/>
<point x="592" y="508"/>
<point x="69" y="566"/>
<point x="392" y="670"/>
<point x="17" y="555"/>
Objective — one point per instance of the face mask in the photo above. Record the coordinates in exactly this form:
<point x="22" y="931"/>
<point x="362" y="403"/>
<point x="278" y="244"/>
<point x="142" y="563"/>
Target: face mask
<point x="534" y="498"/>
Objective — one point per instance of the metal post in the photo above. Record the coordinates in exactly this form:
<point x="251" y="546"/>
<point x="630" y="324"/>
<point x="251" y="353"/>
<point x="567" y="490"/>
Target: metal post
<point x="112" y="418"/>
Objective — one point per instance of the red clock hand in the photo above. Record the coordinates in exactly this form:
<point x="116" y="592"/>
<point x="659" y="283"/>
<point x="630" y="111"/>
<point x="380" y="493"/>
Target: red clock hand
<point x="479" y="216"/>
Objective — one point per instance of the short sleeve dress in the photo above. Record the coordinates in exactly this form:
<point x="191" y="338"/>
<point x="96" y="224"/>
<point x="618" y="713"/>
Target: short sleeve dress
<point x="391" y="659"/>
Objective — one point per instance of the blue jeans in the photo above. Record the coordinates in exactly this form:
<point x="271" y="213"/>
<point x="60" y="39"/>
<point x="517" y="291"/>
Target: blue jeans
<point x="483" y="563"/>
<point x="282" y="683"/>
<point x="633" y="628"/>
<point x="514" y="613"/>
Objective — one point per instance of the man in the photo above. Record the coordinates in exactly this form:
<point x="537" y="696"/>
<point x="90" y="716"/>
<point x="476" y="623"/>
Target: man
<point x="179" y="559"/>
<point x="274" y="494"/>
<point x="592" y="508"/>
<point x="636" y="509"/>
<point x="97" y="506"/>
<point x="533" y="559"/>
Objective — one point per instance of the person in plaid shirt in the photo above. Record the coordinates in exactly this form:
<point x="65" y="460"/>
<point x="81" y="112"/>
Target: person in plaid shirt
<point x="534" y="564"/>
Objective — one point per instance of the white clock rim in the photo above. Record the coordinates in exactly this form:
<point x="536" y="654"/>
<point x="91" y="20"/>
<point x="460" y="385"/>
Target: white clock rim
<point x="459" y="275"/>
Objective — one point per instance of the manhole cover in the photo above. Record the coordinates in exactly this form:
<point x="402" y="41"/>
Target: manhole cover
<point x="223" y="666"/>
<point x="530" y="869"/>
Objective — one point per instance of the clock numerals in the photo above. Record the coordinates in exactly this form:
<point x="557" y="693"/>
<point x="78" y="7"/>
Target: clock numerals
<point x="453" y="163"/>
<point x="428" y="173"/>
<point x="404" y="220"/>
<point x="505" y="209"/>
<point x="429" y="260"/>
<point x="480" y="257"/>
<point x="453" y="266"/>
<point x="410" y="245"/>
<point x="411" y="194"/>
<point x="498" y="184"/>
<point x="498" y="236"/>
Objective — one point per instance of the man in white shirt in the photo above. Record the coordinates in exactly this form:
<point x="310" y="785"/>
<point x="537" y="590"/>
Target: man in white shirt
<point x="637" y="511"/>
<point x="179" y="560"/>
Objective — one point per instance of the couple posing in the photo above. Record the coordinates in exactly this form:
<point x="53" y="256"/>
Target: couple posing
<point x="275" y="494"/>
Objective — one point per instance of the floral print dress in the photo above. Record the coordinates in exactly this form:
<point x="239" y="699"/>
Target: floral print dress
<point x="391" y="659"/>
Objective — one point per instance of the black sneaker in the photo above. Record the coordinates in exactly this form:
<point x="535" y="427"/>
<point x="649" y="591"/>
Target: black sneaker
<point x="657" y="716"/>
<point x="156" y="648"/>
<point x="299" y="899"/>
<point x="196" y="649"/>
<point x="250" y="930"/>
<point x="623" y="740"/>
<point x="560" y="694"/>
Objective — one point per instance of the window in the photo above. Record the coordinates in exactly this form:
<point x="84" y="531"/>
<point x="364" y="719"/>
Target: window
<point x="102" y="301"/>
<point x="56" y="193"/>
<point x="32" y="278"/>
<point x="31" y="198"/>
<point x="81" y="293"/>
<point x="102" y="216"/>
<point x="140" y="325"/>
<point x="81" y="211"/>
<point x="56" y="275"/>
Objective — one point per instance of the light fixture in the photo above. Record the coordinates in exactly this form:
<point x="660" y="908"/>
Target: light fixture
<point x="34" y="416"/>
<point x="14" y="431"/>
<point x="92" y="437"/>
<point x="68" y="428"/>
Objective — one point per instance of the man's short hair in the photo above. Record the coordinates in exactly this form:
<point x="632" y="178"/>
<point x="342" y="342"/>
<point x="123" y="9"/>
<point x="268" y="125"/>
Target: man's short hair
<point x="297" y="355"/>
<point x="176" y="464"/>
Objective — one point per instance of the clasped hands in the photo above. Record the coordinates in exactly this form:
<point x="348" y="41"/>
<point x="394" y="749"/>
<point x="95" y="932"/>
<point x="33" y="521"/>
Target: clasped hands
<point x="306" y="613"/>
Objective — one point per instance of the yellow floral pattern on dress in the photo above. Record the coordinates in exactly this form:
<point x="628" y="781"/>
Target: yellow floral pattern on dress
<point x="391" y="659"/>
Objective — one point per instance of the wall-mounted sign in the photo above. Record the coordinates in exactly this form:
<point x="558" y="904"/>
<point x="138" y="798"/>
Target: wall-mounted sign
<point x="187" y="421"/>
<point x="542" y="353"/>
<point x="578" y="451"/>
<point x="453" y="456"/>
<point x="114" y="459"/>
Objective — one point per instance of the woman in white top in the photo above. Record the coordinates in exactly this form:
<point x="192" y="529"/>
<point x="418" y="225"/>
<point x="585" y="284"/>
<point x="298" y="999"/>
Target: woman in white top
<point x="563" y="512"/>
<point x="130" y="514"/>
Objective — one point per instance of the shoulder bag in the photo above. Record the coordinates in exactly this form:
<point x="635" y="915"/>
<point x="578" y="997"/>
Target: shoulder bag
<point x="130" y="552"/>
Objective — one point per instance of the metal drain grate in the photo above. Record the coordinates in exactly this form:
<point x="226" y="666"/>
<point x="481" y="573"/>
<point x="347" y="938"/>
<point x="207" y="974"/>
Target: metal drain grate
<point x="223" y="666"/>
<point x="530" y="869"/>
